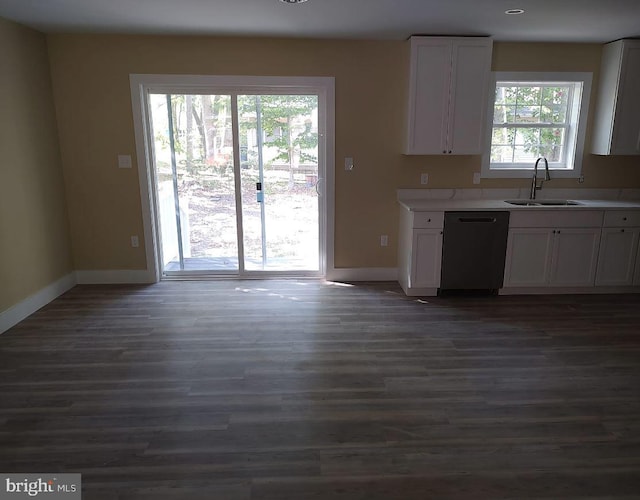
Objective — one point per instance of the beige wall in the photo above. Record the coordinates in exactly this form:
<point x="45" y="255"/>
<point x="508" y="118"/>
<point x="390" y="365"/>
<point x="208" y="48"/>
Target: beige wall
<point x="34" y="237"/>
<point x="91" y="88"/>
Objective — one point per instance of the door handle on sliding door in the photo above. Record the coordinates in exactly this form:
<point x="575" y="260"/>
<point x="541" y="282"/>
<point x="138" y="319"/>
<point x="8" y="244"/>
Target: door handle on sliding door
<point x="259" y="194"/>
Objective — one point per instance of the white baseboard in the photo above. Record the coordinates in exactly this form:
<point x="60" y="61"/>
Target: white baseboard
<point x="115" y="276"/>
<point x="28" y="306"/>
<point x="363" y="274"/>
<point x="124" y="276"/>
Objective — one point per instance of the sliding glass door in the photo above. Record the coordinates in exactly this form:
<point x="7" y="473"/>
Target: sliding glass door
<point x="279" y="179"/>
<point x="237" y="180"/>
<point x="195" y="182"/>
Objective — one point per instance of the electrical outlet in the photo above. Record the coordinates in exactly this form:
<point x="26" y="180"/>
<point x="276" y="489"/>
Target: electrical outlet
<point x="124" y="161"/>
<point x="348" y="164"/>
<point x="384" y="240"/>
<point x="476" y="177"/>
<point x="424" y="179"/>
<point x="135" y="242"/>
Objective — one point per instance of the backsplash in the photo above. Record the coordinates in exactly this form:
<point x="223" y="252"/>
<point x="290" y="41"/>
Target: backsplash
<point x="516" y="193"/>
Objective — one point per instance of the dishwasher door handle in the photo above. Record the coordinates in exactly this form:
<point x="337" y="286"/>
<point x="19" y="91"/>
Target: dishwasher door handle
<point x="476" y="219"/>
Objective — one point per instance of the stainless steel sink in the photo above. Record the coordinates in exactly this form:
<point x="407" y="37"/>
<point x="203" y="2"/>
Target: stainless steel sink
<point x="542" y="203"/>
<point x="523" y="203"/>
<point x="558" y="202"/>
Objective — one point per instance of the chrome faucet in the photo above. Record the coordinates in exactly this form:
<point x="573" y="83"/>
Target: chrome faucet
<point x="534" y="181"/>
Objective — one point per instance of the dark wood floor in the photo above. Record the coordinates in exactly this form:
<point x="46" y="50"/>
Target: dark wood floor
<point x="304" y="390"/>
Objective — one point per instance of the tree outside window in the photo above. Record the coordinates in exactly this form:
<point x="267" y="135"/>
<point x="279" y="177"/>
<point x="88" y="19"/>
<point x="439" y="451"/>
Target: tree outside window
<point x="530" y="120"/>
<point x="534" y="114"/>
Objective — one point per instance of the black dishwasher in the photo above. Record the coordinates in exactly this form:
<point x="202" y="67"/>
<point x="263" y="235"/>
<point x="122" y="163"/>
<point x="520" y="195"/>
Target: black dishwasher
<point x="473" y="250"/>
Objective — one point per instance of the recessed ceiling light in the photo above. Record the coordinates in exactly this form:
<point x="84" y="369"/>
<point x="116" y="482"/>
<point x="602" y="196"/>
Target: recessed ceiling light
<point x="511" y="12"/>
<point x="293" y="1"/>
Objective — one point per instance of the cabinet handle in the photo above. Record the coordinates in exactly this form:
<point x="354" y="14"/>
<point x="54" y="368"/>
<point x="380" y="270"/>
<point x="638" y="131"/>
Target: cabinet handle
<point x="554" y="231"/>
<point x="444" y="152"/>
<point x="428" y="220"/>
<point x="624" y="218"/>
<point x="638" y="143"/>
<point x="449" y="152"/>
<point x="622" y="230"/>
<point x="558" y="231"/>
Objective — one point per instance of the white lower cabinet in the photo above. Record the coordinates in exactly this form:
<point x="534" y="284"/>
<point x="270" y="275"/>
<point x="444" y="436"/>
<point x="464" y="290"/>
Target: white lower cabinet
<point x="541" y="255"/>
<point x="575" y="257"/>
<point x="538" y="257"/>
<point x="420" y="251"/>
<point x="426" y="258"/>
<point x="619" y="261"/>
<point x="528" y="260"/>
<point x="618" y="255"/>
<point x="546" y="249"/>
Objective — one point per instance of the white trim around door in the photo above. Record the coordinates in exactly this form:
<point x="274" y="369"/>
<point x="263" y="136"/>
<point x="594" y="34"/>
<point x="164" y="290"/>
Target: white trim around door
<point x="324" y="87"/>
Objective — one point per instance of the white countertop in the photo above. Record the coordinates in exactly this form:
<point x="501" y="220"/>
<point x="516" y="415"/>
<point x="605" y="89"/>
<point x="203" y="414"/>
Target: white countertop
<point x="417" y="205"/>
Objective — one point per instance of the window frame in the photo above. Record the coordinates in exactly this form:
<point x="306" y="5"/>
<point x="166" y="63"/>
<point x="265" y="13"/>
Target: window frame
<point x="574" y="147"/>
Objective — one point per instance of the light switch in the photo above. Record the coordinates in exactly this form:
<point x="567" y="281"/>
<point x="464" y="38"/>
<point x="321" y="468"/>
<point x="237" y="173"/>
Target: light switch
<point x="124" y="161"/>
<point x="424" y="179"/>
<point x="476" y="177"/>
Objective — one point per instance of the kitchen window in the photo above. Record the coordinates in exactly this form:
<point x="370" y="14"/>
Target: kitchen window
<point x="534" y="115"/>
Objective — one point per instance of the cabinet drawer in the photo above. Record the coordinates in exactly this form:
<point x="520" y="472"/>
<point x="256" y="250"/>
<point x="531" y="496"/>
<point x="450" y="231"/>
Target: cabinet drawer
<point x="426" y="220"/>
<point x="555" y="218"/>
<point x="622" y="218"/>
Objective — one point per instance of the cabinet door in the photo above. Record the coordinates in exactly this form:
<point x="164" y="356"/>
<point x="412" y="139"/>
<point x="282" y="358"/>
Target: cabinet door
<point x="617" y="117"/>
<point x="469" y="93"/>
<point x="617" y="256"/>
<point x="426" y="257"/>
<point x="429" y="95"/>
<point x="626" y="132"/>
<point x="528" y="257"/>
<point x="574" y="258"/>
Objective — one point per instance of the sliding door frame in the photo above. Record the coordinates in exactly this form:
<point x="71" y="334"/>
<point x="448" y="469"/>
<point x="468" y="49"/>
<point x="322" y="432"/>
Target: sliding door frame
<point x="324" y="87"/>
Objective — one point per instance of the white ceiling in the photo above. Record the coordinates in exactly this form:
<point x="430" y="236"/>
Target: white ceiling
<point x="544" y="20"/>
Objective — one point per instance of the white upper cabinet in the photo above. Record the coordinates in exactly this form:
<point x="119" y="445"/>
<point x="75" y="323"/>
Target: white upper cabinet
<point x="448" y="91"/>
<point x="617" y="119"/>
